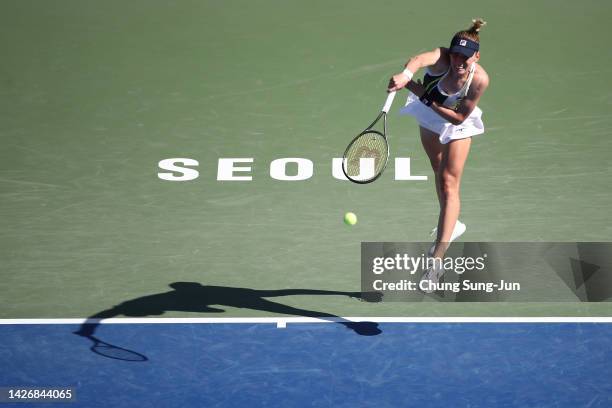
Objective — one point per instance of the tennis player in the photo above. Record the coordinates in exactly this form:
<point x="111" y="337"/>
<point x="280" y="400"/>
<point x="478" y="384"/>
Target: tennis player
<point x="445" y="106"/>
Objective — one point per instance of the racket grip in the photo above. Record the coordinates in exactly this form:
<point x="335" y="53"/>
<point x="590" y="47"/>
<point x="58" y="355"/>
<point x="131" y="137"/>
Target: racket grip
<point x="388" y="102"/>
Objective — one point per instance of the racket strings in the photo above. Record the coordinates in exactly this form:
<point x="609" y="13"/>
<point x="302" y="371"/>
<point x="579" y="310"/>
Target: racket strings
<point x="117" y="353"/>
<point x="371" y="146"/>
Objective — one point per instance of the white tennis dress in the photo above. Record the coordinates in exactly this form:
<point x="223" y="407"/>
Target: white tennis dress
<point x="429" y="119"/>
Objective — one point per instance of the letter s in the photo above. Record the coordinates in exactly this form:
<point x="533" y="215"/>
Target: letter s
<point x="170" y="164"/>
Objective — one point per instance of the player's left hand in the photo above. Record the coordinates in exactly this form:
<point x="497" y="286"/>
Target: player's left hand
<point x="432" y="95"/>
<point x="416" y="87"/>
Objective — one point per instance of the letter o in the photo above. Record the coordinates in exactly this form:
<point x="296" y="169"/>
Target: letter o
<point x="278" y="169"/>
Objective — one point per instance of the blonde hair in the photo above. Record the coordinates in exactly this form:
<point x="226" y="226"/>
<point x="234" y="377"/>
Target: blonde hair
<point x="472" y="32"/>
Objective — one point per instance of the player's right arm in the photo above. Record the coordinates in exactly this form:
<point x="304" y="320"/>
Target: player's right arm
<point x="436" y="59"/>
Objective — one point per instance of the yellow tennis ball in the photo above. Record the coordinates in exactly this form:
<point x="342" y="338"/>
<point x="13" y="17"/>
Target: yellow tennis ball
<point x="350" y="218"/>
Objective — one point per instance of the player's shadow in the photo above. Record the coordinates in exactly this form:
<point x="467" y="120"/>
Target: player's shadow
<point x="194" y="297"/>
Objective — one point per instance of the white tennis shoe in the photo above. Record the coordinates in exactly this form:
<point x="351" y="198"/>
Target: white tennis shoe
<point x="430" y="278"/>
<point x="458" y="231"/>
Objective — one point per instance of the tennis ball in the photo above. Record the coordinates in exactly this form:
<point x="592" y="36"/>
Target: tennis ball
<point x="350" y="218"/>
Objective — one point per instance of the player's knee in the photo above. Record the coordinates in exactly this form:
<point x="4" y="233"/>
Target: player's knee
<point x="435" y="165"/>
<point x="450" y="184"/>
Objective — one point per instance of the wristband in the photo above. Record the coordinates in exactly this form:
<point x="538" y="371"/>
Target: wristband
<point x="408" y="73"/>
<point x="433" y="94"/>
<point x="426" y="99"/>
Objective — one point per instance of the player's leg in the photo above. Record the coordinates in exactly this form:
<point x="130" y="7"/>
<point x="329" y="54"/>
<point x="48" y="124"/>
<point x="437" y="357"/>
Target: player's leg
<point x="363" y="328"/>
<point x="433" y="148"/>
<point x="454" y="156"/>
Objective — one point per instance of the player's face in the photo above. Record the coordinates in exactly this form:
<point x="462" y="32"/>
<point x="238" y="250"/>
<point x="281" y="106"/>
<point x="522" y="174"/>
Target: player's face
<point x="460" y="63"/>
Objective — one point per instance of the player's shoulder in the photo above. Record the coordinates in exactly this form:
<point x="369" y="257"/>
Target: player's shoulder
<point x="442" y="62"/>
<point x="481" y="77"/>
<point x="444" y="55"/>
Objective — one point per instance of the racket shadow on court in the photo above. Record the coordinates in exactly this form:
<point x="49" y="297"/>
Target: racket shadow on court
<point x="108" y="350"/>
<point x="197" y="298"/>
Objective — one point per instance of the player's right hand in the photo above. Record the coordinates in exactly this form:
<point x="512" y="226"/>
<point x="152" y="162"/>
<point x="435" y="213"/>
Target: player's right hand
<point x="397" y="82"/>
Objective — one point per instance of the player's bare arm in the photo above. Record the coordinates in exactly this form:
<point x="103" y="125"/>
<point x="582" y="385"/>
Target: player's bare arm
<point x="458" y="115"/>
<point x="437" y="59"/>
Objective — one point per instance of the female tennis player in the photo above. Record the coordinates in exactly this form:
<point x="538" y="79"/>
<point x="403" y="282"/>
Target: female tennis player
<point x="444" y="105"/>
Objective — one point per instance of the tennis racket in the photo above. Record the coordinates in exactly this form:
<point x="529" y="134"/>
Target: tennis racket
<point x="366" y="156"/>
<point x="108" y="350"/>
<point x="115" y="352"/>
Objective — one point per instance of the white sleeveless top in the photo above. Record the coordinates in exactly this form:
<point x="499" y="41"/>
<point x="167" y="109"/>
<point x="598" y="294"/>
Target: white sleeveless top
<point x="429" y="119"/>
<point x="453" y="99"/>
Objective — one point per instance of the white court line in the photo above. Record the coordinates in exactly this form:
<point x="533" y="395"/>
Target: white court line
<point x="283" y="321"/>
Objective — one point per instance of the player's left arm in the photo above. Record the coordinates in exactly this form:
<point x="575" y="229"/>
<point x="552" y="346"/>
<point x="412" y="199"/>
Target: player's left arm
<point x="465" y="107"/>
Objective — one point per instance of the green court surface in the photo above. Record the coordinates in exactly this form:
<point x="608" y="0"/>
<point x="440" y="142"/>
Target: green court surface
<point x="95" y="93"/>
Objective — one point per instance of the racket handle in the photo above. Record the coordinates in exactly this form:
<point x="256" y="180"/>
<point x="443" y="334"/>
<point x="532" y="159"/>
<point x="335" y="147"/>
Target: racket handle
<point x="389" y="102"/>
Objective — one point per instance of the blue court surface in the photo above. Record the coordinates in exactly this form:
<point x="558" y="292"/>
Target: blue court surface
<point x="318" y="365"/>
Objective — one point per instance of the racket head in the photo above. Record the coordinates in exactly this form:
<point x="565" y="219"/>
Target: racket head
<point x="116" y="353"/>
<point x="372" y="146"/>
